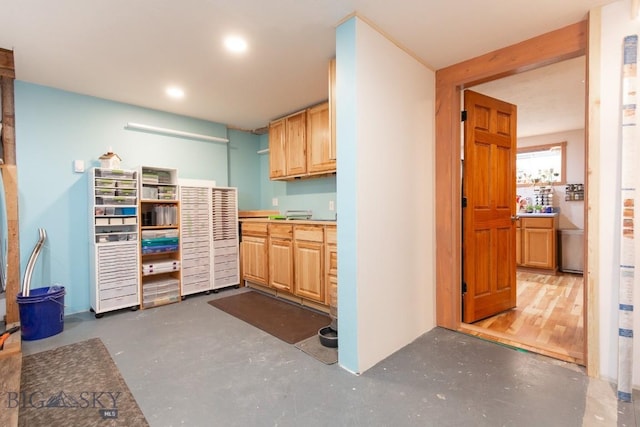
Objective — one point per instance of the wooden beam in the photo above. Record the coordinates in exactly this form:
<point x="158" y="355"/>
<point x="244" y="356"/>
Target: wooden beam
<point x="565" y="43"/>
<point x="10" y="179"/>
<point x="7" y="67"/>
<point x="8" y="121"/>
<point x="9" y="172"/>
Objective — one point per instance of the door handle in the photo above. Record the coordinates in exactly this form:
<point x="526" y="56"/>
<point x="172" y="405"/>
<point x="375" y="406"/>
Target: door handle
<point x="514" y="218"/>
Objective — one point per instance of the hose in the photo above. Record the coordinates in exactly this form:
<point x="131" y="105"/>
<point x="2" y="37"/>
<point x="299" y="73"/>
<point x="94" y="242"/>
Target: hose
<point x="26" y="283"/>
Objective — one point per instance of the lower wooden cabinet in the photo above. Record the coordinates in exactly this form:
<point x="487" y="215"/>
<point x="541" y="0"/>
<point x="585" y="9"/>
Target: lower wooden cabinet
<point x="255" y="264"/>
<point x="537" y="239"/>
<point x="308" y="255"/>
<point x="281" y="257"/>
<point x="293" y="259"/>
<point x="331" y="270"/>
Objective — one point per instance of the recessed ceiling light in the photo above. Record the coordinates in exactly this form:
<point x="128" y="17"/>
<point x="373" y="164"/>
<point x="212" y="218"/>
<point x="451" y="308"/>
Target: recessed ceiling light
<point x="175" y="92"/>
<point x="235" y="44"/>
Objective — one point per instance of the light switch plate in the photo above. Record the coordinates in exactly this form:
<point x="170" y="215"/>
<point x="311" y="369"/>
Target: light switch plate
<point x="78" y="166"/>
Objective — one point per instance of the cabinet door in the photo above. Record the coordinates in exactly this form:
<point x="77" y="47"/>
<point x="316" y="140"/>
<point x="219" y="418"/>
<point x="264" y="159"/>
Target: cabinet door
<point x="538" y="247"/>
<point x="296" y="144"/>
<point x="332" y="107"/>
<point x="309" y="268"/>
<point x="281" y="264"/>
<point x="277" y="158"/>
<point x="254" y="259"/>
<point x="319" y="155"/>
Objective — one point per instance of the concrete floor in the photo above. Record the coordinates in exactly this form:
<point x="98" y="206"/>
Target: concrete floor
<point x="191" y="364"/>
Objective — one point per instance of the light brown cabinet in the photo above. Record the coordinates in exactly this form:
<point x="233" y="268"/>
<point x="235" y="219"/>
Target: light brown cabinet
<point x="538" y="243"/>
<point x="295" y="146"/>
<point x="308" y="256"/>
<point x="277" y="156"/>
<point x="291" y="260"/>
<point x="320" y="151"/>
<point x="281" y="257"/>
<point x="301" y="145"/>
<point x="331" y="269"/>
<point x="255" y="265"/>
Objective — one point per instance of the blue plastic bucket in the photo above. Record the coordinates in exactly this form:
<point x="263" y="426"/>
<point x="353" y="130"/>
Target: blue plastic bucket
<point x="41" y="313"/>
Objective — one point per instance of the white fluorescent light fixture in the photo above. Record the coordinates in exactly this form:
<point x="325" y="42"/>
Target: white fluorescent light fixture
<point x="235" y="44"/>
<point x="172" y="132"/>
<point x="175" y="92"/>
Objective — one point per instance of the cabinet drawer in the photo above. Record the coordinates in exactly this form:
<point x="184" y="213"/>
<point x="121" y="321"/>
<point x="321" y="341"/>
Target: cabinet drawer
<point x="331" y="235"/>
<point x="537" y="222"/>
<point x="254" y="228"/>
<point x="281" y="231"/>
<point x="309" y="233"/>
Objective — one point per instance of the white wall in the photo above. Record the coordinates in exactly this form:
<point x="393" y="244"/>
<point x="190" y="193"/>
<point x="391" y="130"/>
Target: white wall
<point x="572" y="212"/>
<point x="616" y="23"/>
<point x="394" y="196"/>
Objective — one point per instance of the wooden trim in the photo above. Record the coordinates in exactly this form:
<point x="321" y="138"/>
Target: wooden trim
<point x="592" y="198"/>
<point x="565" y="43"/>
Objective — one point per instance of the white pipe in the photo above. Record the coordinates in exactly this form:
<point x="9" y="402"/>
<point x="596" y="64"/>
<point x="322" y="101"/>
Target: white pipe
<point x="172" y="132"/>
<point x="26" y="283"/>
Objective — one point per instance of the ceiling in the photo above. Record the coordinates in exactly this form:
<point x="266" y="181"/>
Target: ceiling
<point x="130" y="51"/>
<point x="549" y="99"/>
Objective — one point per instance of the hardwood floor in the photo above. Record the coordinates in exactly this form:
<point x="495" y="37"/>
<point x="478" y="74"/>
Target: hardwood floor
<point x="548" y="318"/>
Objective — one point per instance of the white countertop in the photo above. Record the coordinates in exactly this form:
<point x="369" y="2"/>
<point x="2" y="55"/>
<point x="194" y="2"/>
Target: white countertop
<point x="537" y="214"/>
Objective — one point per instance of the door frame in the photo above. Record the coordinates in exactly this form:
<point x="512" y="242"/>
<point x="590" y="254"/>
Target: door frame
<point x="562" y="44"/>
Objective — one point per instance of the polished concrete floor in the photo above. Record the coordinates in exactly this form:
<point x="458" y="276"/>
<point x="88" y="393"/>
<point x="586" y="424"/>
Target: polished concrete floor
<point x="193" y="365"/>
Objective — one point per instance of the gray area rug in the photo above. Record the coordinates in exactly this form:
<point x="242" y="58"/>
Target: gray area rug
<point x="314" y="348"/>
<point x="74" y="385"/>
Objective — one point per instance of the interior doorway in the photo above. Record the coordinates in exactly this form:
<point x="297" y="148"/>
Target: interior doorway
<point x="548" y="316"/>
<point x="565" y="43"/>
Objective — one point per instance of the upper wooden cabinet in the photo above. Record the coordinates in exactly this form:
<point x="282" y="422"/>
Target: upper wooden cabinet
<point x="320" y="153"/>
<point x="295" y="146"/>
<point x="300" y="145"/>
<point x="303" y="144"/>
<point x="277" y="157"/>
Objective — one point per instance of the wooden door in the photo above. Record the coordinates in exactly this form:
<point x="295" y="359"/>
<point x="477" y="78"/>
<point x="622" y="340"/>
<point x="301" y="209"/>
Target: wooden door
<point x="296" y="144"/>
<point x="254" y="259"/>
<point x="319" y="140"/>
<point x="538" y="248"/>
<point x="281" y="257"/>
<point x="277" y="166"/>
<point x="488" y="249"/>
<point x="308" y="267"/>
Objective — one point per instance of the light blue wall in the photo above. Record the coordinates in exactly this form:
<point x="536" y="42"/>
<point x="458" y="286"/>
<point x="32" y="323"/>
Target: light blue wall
<point x="244" y="168"/>
<point x="307" y="194"/>
<point x="346" y="138"/>
<point x="53" y="128"/>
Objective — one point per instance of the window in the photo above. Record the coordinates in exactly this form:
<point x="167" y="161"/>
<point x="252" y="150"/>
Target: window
<point x="541" y="165"/>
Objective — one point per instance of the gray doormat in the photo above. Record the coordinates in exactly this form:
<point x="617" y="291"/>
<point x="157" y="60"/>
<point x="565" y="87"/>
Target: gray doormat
<point x="313" y="347"/>
<point x="75" y="385"/>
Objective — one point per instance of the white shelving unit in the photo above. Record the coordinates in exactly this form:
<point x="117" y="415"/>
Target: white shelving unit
<point x="113" y="237"/>
<point x="160" y="236"/>
<point x="209" y="237"/>
<point x="225" y="237"/>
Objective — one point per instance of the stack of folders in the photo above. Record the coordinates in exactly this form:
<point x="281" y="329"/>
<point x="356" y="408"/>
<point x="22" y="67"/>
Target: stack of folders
<point x="163" y="266"/>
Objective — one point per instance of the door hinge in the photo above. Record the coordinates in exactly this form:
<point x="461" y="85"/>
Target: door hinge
<point x="464" y="288"/>
<point x="464" y="202"/>
<point x="463" y="116"/>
